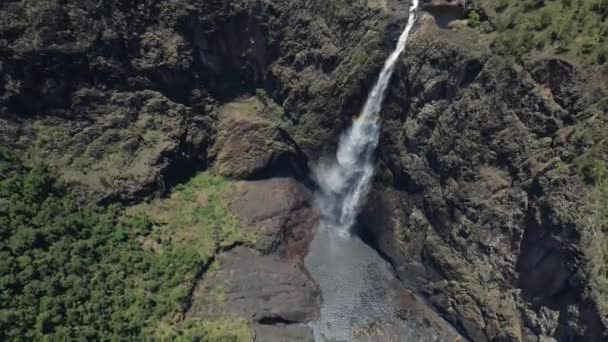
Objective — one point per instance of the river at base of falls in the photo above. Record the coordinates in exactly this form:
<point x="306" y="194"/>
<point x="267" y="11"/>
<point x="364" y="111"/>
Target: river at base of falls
<point x="362" y="298"/>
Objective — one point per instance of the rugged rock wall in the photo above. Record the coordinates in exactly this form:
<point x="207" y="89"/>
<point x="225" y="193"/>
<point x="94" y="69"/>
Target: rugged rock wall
<point x="483" y="212"/>
<point x="121" y="95"/>
<point x="481" y="202"/>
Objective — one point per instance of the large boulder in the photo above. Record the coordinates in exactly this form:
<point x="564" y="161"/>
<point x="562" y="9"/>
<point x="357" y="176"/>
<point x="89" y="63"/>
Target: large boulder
<point x="280" y="210"/>
<point x="256" y="287"/>
<point x="250" y="145"/>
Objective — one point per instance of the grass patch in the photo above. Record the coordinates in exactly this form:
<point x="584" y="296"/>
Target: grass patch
<point x="219" y="329"/>
<point x="196" y="217"/>
<point x="258" y="106"/>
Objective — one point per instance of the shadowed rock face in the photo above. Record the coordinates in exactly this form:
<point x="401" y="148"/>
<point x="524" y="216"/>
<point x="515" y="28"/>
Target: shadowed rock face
<point x="439" y="5"/>
<point x="444" y="11"/>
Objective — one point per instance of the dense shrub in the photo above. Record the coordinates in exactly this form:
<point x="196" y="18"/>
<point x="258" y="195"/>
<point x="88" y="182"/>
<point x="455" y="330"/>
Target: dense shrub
<point x="70" y="271"/>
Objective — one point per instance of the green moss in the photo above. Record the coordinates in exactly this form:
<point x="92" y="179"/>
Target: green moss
<point x="261" y="95"/>
<point x="473" y="19"/>
<point x="259" y="105"/>
<point x="594" y="172"/>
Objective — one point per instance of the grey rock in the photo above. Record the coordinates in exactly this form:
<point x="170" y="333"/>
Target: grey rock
<point x="280" y="211"/>
<point x="256" y="288"/>
<point x="283" y="333"/>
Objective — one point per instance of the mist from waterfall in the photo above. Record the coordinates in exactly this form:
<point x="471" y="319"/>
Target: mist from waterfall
<point x="359" y="288"/>
<point x="345" y="182"/>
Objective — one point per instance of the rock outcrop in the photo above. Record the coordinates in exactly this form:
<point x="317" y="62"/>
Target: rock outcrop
<point x="482" y="214"/>
<point x="267" y="285"/>
<point x="258" y="288"/>
<point x="280" y="209"/>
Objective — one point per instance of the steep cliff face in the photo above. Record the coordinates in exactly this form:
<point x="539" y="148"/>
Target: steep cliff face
<point x="486" y="209"/>
<point x="490" y="198"/>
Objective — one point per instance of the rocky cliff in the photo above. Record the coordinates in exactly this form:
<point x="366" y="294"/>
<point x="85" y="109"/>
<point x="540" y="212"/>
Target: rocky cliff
<point x="490" y="199"/>
<point x="484" y="208"/>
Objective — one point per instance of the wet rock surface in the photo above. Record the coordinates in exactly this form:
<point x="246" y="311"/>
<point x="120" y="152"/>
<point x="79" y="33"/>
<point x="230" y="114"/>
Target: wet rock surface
<point x="363" y="300"/>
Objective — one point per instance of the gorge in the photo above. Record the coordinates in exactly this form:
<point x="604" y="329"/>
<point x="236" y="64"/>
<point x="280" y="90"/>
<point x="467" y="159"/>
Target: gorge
<point x="358" y="287"/>
<point x="167" y="170"/>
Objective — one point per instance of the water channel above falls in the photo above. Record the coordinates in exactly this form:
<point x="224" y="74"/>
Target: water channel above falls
<point x="362" y="298"/>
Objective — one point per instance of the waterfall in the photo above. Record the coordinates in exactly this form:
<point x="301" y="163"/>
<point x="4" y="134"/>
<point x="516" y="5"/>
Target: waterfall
<point x="360" y="290"/>
<point x="345" y="182"/>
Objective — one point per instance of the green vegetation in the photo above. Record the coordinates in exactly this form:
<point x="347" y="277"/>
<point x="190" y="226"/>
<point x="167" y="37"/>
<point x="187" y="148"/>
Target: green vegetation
<point x="577" y="29"/>
<point x="592" y="168"/>
<point x="195" y="218"/>
<point x="70" y="271"/>
<point x="594" y="171"/>
<point x="259" y="105"/>
<point x="225" y="329"/>
<point x="261" y="95"/>
<point x="473" y="19"/>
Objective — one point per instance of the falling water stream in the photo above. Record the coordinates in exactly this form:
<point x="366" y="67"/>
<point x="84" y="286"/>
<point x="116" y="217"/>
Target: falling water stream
<point x="360" y="291"/>
<point x="345" y="182"/>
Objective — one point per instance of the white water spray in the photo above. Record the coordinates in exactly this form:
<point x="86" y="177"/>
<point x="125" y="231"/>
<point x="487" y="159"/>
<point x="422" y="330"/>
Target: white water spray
<point x="361" y="293"/>
<point x="346" y="181"/>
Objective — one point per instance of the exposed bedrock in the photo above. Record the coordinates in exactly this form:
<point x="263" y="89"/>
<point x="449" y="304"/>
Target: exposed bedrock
<point x="281" y="209"/>
<point x="81" y="66"/>
<point x="479" y="216"/>
<point x="259" y="288"/>
<point x="266" y="284"/>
